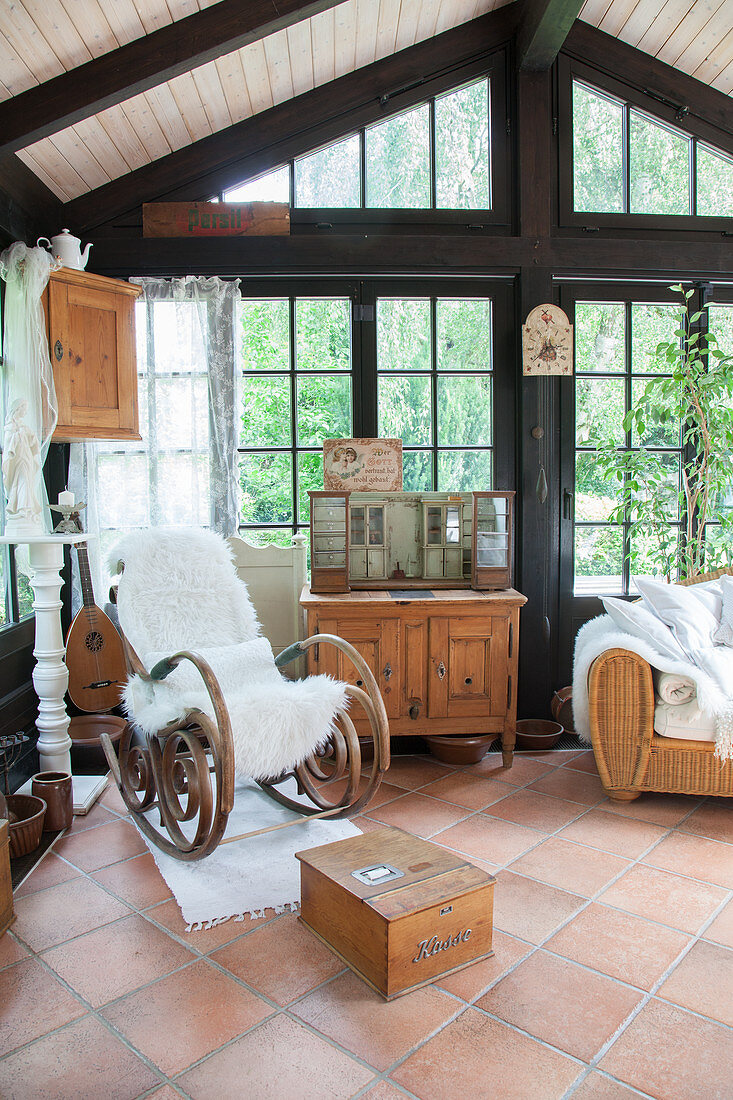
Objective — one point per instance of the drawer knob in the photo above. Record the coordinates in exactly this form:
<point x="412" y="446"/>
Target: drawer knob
<point x="469" y="680"/>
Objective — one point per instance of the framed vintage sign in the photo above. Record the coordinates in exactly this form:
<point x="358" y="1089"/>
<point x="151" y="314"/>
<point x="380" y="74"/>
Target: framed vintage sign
<point x="363" y="464"/>
<point x="215" y="219"/>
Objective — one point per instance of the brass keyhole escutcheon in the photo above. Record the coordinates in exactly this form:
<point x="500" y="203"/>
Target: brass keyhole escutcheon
<point x="387" y="671"/>
<point x="58" y="350"/>
<point x="414" y="711"/>
<point x="441" y="670"/>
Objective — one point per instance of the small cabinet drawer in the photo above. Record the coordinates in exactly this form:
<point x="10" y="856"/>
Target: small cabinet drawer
<point x="326" y="560"/>
<point x="330" y="512"/>
<point x="329" y="527"/>
<point x="329" y="542"/>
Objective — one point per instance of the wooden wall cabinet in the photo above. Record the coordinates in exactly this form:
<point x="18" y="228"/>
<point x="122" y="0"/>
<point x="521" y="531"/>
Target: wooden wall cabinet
<point x="445" y="659"/>
<point x="91" y="340"/>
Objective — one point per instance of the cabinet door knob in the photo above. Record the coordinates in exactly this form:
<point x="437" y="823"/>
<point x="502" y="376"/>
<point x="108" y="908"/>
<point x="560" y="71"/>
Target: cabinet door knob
<point x="441" y="670"/>
<point x="387" y="671"/>
<point x="58" y="350"/>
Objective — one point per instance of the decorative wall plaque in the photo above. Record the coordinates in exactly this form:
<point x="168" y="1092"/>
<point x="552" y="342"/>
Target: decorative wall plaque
<point x="547" y="342"/>
<point x="374" y="464"/>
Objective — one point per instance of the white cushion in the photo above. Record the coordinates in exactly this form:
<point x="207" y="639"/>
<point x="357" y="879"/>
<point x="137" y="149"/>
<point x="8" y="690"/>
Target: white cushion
<point x="692" y="624"/>
<point x="636" y="619"/>
<point x="687" y="721"/>
<point x="710" y="595"/>
<point x="724" y="634"/>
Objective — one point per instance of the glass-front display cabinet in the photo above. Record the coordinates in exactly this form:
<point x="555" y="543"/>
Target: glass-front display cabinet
<point x="410" y="540"/>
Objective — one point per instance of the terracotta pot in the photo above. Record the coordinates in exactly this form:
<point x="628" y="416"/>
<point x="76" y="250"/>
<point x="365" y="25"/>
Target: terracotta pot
<point x="85" y="731"/>
<point x="55" y="789"/>
<point x="25" y="831"/>
<point x="460" y="750"/>
<point x="561" y="708"/>
<point x="538" y="733"/>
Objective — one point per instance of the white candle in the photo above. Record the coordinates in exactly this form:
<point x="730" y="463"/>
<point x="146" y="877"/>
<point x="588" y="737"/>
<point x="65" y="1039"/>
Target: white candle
<point x="66" y="498"/>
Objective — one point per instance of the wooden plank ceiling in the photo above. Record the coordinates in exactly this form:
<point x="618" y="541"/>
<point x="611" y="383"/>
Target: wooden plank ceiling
<point x="41" y="39"/>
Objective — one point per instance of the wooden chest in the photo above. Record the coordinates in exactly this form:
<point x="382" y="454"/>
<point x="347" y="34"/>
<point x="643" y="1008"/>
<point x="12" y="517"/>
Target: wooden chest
<point x="398" y="910"/>
<point x="6" y="886"/>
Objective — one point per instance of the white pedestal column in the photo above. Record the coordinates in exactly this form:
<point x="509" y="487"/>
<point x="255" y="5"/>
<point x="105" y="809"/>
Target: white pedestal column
<point x="51" y="676"/>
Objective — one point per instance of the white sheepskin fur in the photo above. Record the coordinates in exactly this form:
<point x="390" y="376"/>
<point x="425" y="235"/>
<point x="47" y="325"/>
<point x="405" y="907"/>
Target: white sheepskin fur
<point x="179" y="590"/>
<point x="713" y="685"/>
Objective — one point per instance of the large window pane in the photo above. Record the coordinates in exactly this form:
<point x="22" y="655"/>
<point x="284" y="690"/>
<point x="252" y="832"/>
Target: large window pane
<point x="462" y="139"/>
<point x="403" y="334"/>
<point x="651" y="325"/>
<point x="721" y="326"/>
<point x="599" y="337"/>
<point x="183" y="482"/>
<point x="182" y="413"/>
<point x="266" y="481"/>
<point x="404" y="406"/>
<point x="265" y="419"/>
<point x="310" y="477"/>
<point x="599" y="553"/>
<point x="465" y="471"/>
<point x="599" y="410"/>
<point x="25" y="592"/>
<point x="330" y="176"/>
<point x="417" y="472"/>
<point x="595" y="494"/>
<point x="131" y="508"/>
<point x="272" y="187"/>
<point x="597" y="152"/>
<point x="659" y="168"/>
<point x="178" y="338"/>
<point x="397" y="156"/>
<point x="464" y="411"/>
<point x="265" y="334"/>
<point x="323" y="409"/>
<point x="661" y="428"/>
<point x="714" y="183"/>
<point x="463" y="334"/>
<point x="323" y="334"/>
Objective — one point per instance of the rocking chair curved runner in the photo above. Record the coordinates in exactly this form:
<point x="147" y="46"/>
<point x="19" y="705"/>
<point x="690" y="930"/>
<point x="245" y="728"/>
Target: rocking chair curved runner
<point x="206" y="702"/>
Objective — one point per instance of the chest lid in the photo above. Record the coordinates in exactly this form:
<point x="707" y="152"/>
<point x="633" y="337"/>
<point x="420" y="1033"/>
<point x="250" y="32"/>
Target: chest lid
<point x="425" y="875"/>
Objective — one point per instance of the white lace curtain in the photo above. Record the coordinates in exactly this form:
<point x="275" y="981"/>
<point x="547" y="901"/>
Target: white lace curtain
<point x="184" y="469"/>
<point x="28" y="406"/>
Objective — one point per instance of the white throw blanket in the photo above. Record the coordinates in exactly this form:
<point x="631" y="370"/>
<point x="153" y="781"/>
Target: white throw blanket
<point x="673" y="689"/>
<point x="712" y="675"/>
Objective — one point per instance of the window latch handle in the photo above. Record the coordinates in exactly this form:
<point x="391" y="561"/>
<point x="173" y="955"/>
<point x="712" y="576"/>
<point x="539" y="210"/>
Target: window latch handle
<point x="567" y="504"/>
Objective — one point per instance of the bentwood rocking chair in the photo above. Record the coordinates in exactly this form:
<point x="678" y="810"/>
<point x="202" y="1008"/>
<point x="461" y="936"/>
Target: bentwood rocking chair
<point x="206" y="701"/>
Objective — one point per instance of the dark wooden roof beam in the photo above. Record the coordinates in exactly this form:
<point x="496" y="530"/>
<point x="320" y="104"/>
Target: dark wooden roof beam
<point x="144" y="63"/>
<point x="544" y="26"/>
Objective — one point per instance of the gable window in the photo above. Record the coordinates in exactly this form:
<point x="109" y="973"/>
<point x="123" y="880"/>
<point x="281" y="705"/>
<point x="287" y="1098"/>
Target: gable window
<point x="628" y="161"/>
<point x="434" y="156"/>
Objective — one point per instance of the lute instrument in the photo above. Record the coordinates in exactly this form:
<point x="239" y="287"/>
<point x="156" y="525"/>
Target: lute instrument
<point x="95" y="656"/>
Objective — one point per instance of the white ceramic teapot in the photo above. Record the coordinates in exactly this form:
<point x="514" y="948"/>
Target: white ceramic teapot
<point x="67" y="248"/>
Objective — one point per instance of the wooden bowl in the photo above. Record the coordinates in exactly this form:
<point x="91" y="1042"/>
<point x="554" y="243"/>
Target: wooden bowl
<point x="538" y="733"/>
<point x="25" y="833"/>
<point x="460" y="750"/>
<point x="85" y="732"/>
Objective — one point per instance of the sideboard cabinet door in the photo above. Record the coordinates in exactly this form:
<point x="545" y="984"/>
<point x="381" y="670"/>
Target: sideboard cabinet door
<point x="91" y="340"/>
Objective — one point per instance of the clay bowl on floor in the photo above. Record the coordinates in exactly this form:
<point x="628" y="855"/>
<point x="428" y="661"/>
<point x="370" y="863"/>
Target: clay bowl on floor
<point x="85" y="731"/>
<point x="538" y="733"/>
<point x="25" y="831"/>
<point x="460" y="750"/>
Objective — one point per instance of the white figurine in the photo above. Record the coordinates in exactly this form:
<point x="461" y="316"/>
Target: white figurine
<point x="21" y="468"/>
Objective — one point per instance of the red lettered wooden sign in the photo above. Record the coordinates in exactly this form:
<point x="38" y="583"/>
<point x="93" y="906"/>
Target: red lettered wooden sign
<point x="215" y="219"/>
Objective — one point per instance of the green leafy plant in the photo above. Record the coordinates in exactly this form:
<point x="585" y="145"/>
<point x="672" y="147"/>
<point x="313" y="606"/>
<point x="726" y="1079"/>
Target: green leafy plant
<point x="694" y="394"/>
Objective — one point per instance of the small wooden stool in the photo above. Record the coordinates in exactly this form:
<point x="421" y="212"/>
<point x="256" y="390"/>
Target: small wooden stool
<point x="396" y="909"/>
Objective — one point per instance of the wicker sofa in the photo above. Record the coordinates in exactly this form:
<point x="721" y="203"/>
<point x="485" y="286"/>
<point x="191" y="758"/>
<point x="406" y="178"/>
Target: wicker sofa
<point x="630" y="756"/>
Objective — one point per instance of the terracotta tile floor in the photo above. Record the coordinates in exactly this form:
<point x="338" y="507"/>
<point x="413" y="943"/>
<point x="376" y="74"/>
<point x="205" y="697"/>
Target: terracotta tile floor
<point x="611" y="978"/>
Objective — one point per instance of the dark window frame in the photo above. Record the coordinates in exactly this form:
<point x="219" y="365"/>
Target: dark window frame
<point x="364" y="375"/>
<point x="499" y="218"/>
<point x="688" y="124"/>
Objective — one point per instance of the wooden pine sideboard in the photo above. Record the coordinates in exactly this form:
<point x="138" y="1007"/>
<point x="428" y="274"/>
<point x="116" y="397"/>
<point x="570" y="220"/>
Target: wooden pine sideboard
<point x="445" y="659"/>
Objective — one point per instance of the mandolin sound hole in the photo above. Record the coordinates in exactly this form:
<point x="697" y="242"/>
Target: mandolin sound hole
<point x="94" y="641"/>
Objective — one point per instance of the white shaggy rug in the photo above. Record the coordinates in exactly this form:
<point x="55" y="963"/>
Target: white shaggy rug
<point x="242" y="879"/>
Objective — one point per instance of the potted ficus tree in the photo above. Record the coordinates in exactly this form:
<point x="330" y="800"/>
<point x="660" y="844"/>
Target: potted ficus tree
<point x="694" y="391"/>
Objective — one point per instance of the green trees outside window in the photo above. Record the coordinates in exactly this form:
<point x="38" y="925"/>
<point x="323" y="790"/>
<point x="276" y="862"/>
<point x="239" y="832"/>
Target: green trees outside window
<point x="625" y="161"/>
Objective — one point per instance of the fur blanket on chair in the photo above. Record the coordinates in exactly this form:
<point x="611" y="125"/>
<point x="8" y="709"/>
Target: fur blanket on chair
<point x="714" y="683"/>
<point x="179" y="591"/>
